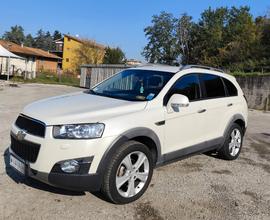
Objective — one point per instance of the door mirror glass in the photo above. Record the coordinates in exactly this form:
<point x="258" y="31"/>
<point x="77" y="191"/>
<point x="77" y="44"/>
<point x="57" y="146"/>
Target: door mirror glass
<point x="176" y="102"/>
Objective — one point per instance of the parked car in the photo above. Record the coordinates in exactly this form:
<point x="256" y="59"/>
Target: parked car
<point x="111" y="137"/>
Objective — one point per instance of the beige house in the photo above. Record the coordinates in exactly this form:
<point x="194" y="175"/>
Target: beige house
<point x="35" y="60"/>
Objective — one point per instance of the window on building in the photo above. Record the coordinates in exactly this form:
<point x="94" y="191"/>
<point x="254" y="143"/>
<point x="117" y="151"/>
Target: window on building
<point x="67" y="59"/>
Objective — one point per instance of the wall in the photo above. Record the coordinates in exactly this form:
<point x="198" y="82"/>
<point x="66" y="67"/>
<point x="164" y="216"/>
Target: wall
<point x="70" y="46"/>
<point x="256" y="90"/>
<point x="19" y="65"/>
<point x="47" y="65"/>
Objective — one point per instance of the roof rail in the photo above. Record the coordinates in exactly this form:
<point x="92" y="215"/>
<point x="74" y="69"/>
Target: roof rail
<point x="202" y="67"/>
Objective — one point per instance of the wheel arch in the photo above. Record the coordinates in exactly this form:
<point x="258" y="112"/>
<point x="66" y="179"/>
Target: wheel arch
<point x="143" y="135"/>
<point x="238" y="119"/>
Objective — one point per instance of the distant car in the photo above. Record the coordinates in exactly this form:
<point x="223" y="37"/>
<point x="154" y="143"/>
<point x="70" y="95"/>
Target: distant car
<point x="110" y="138"/>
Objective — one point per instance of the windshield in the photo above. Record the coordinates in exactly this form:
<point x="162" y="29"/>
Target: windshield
<point x="133" y="85"/>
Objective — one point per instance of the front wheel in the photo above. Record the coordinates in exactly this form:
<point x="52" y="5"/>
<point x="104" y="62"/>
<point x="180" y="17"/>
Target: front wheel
<point x="128" y="174"/>
<point x="233" y="143"/>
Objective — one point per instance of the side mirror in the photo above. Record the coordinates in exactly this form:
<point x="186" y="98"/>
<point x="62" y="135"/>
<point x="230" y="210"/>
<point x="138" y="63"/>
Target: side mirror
<point x="176" y="102"/>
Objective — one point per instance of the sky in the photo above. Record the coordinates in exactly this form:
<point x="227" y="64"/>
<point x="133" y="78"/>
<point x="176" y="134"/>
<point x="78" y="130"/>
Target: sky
<point x="111" y="22"/>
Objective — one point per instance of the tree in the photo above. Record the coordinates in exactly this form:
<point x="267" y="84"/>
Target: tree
<point x="43" y="40"/>
<point x="57" y="35"/>
<point x="223" y="37"/>
<point x="208" y="37"/>
<point x="113" y="56"/>
<point x="15" y="35"/>
<point x="39" y="39"/>
<point x="240" y="40"/>
<point x="184" y="36"/>
<point x="29" y="41"/>
<point x="161" y="35"/>
<point x="89" y="52"/>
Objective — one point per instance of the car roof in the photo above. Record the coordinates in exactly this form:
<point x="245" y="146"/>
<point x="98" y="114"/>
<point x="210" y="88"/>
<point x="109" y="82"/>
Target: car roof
<point x="157" y="67"/>
<point x="175" y="69"/>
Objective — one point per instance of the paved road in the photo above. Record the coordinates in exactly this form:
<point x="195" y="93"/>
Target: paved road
<point x="201" y="187"/>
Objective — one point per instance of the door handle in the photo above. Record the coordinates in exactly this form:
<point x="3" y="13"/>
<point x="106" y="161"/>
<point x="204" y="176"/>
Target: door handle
<point x="230" y="104"/>
<point x="202" y="110"/>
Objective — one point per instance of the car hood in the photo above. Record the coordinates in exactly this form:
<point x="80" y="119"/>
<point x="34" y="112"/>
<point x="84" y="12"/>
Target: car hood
<point x="79" y="107"/>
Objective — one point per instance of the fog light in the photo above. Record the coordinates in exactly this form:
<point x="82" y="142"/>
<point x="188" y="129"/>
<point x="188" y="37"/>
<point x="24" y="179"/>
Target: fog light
<point x="70" y="166"/>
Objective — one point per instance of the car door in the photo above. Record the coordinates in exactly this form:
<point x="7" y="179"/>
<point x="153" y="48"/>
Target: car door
<point x="215" y="105"/>
<point x="185" y="127"/>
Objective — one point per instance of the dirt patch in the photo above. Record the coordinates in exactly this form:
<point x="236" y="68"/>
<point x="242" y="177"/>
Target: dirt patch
<point x="219" y="188"/>
<point x="145" y="211"/>
<point x="262" y="148"/>
<point x="264" y="166"/>
<point x="192" y="167"/>
<point x="227" y="172"/>
<point x="254" y="196"/>
<point x="266" y="134"/>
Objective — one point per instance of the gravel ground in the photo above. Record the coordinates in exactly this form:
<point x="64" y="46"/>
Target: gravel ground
<point x="201" y="187"/>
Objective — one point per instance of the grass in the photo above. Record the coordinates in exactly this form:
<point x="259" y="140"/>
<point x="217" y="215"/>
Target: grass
<point x="48" y="78"/>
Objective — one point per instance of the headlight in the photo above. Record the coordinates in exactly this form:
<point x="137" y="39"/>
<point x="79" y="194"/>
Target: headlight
<point x="79" y="131"/>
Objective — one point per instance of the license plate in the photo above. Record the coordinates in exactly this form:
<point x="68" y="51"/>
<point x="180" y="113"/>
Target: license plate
<point x="17" y="164"/>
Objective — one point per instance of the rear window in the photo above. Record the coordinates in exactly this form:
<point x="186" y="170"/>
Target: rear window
<point x="231" y="89"/>
<point x="213" y="85"/>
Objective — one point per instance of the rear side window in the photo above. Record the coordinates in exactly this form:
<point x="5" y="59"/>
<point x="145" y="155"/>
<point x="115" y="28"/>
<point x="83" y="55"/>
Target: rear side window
<point x="231" y="89"/>
<point x="213" y="85"/>
<point x="187" y="85"/>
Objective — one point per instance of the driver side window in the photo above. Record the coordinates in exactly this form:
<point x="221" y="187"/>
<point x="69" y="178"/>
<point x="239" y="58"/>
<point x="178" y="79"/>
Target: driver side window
<point x="188" y="85"/>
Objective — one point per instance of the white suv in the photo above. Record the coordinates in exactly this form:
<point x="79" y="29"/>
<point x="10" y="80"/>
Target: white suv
<point x="110" y="138"/>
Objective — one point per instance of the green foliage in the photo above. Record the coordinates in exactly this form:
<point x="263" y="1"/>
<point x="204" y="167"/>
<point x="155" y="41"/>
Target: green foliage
<point x="29" y="41"/>
<point x="42" y="40"/>
<point x="57" y="35"/>
<point x="113" y="56"/>
<point x="161" y="35"/>
<point x="183" y="37"/>
<point x="223" y="37"/>
<point x="15" y="35"/>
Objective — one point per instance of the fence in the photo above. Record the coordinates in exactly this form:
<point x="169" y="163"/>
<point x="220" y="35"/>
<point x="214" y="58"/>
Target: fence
<point x="93" y="74"/>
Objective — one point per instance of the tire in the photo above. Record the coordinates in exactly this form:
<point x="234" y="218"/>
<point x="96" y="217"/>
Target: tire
<point x="232" y="147"/>
<point x="120" y="175"/>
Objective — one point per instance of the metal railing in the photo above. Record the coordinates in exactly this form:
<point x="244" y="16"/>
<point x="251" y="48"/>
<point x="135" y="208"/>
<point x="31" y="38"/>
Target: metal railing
<point x="201" y="67"/>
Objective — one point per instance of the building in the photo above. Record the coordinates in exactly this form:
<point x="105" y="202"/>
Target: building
<point x="133" y="62"/>
<point x="66" y="49"/>
<point x="36" y="60"/>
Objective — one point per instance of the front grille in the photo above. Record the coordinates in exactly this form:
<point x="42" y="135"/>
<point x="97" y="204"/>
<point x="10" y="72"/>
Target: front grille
<point x="31" y="126"/>
<point x="25" y="149"/>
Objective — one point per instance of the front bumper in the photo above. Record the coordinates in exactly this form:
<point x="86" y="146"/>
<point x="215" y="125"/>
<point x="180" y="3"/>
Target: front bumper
<point x="52" y="151"/>
<point x="75" y="182"/>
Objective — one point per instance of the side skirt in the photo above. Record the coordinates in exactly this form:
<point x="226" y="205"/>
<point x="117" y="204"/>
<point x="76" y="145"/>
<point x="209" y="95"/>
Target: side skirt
<point x="190" y="151"/>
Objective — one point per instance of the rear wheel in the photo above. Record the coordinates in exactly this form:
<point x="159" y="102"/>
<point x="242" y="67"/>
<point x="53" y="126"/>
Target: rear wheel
<point x="128" y="174"/>
<point x="233" y="143"/>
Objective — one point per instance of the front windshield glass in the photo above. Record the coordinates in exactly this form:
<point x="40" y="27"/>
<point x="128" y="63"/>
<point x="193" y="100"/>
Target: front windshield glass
<point x="133" y="85"/>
